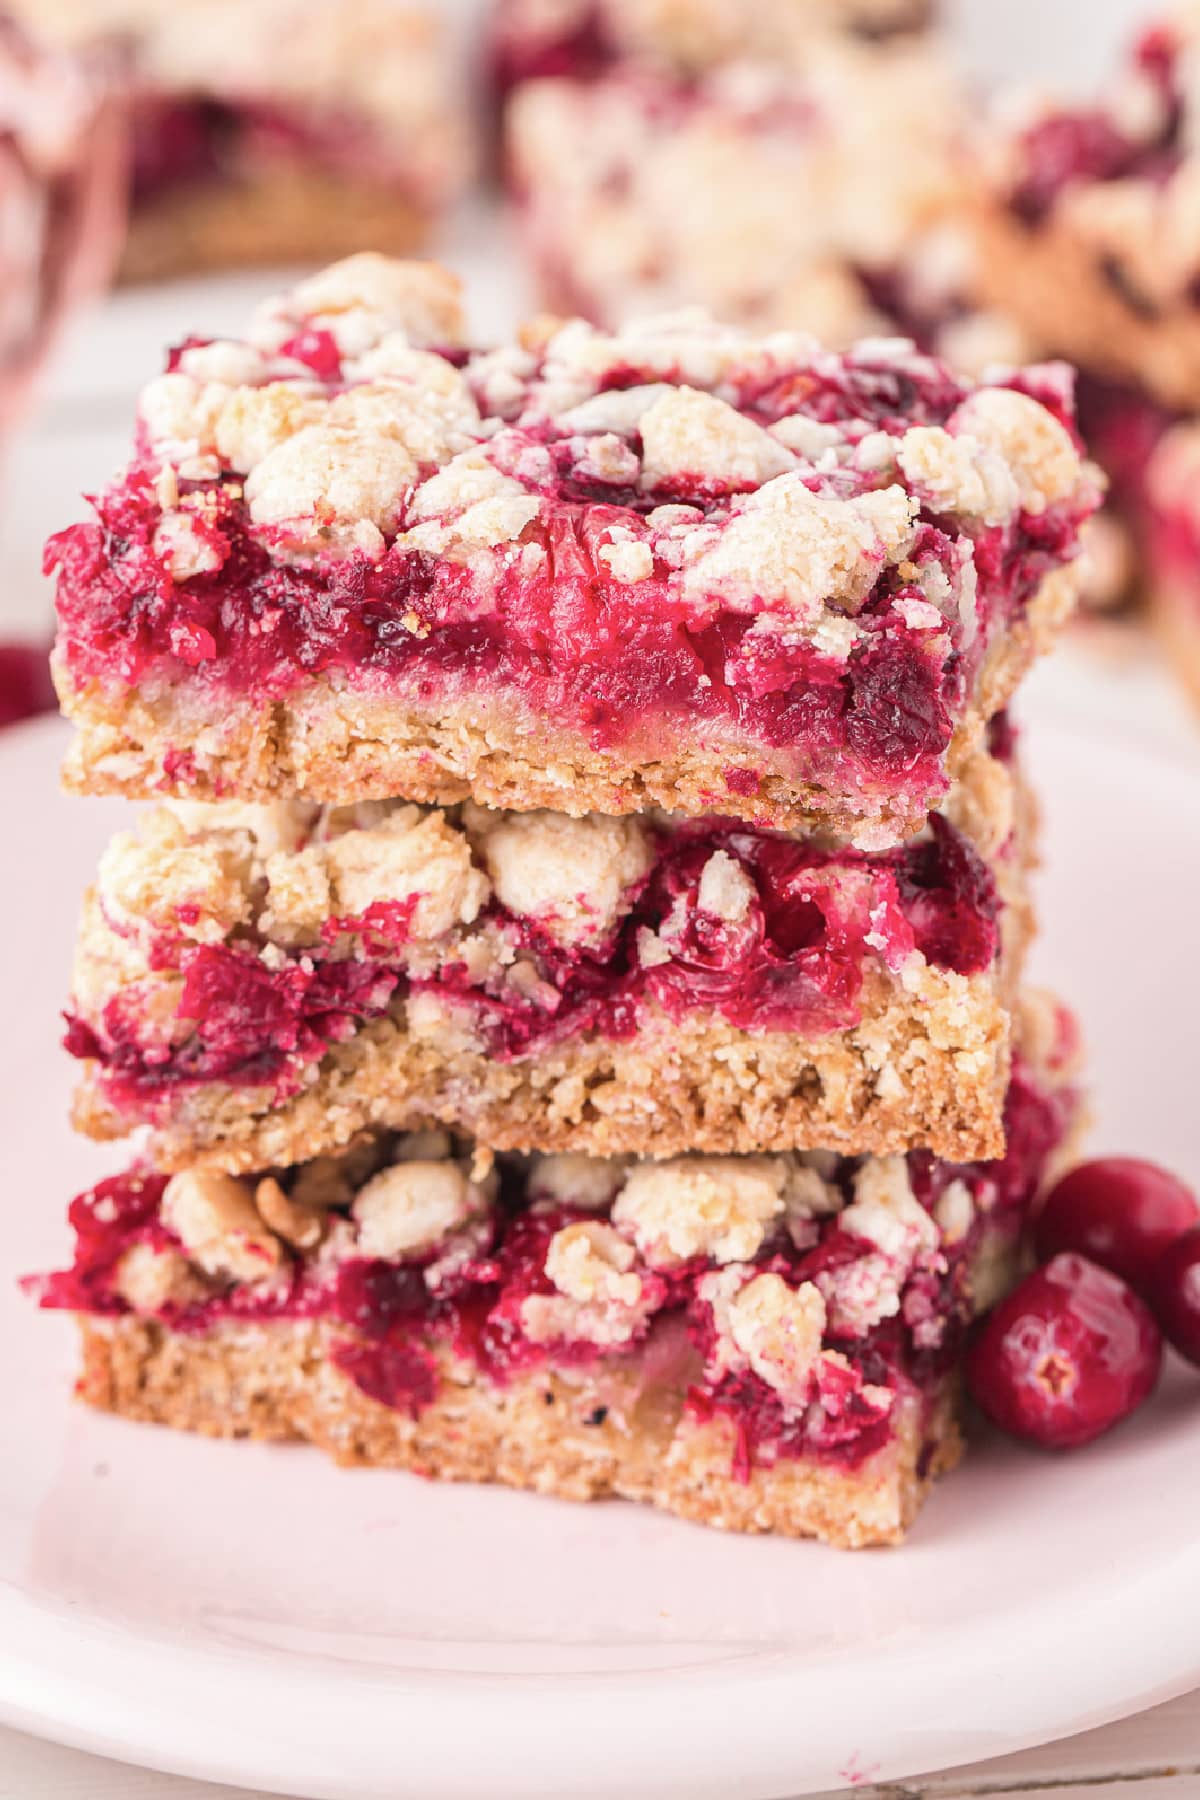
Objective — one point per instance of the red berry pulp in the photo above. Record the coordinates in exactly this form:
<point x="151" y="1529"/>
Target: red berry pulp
<point x="1119" y="1212"/>
<point x="1068" y="1355"/>
<point x="1173" y="1291"/>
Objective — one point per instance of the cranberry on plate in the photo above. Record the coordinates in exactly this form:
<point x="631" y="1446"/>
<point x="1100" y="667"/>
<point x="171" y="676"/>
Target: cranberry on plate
<point x="1173" y="1290"/>
<point x="1117" y="1211"/>
<point x="1067" y="1355"/>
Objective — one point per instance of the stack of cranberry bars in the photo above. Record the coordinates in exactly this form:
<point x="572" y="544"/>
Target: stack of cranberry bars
<point x="568" y="981"/>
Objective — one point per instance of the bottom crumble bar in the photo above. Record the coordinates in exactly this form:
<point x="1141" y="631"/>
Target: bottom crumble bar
<point x="759" y="1342"/>
<point x="570" y="1434"/>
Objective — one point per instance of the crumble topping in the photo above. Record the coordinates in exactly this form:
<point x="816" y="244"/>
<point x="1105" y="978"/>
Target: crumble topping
<point x="215" y="1219"/>
<point x="954" y="1212"/>
<point x="778" y="1330"/>
<point x="149" y="1277"/>
<point x="726" y="890"/>
<point x="592" y="1182"/>
<point x="601" y="1301"/>
<point x="173" y="880"/>
<point x="316" y="488"/>
<point x="413" y="1205"/>
<point x="800" y="550"/>
<point x="1038" y="449"/>
<point x="361" y="300"/>
<point x="885" y="1212"/>
<point x="254" y="421"/>
<point x="570" y="875"/>
<point x="692" y="434"/>
<point x="298" y="1224"/>
<point x="719" y="1207"/>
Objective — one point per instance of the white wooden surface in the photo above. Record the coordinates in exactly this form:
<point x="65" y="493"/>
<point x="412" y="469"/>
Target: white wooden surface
<point x="1155" y="1756"/>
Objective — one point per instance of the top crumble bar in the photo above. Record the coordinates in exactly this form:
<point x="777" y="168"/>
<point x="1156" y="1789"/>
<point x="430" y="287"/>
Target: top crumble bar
<point x="681" y="565"/>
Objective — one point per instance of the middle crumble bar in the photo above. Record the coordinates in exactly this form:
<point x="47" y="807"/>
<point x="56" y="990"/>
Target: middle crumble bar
<point x="259" y="984"/>
<point x="681" y="565"/>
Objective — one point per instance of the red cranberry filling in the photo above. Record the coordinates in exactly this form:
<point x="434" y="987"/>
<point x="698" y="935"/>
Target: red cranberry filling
<point x="793" y="962"/>
<point x="180" y="142"/>
<point x="394" y="1320"/>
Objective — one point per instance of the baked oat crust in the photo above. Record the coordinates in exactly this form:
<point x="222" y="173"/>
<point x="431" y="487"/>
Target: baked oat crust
<point x="274" y="1382"/>
<point x="333" y="745"/>
<point x="697" y="1083"/>
<point x="288" y="213"/>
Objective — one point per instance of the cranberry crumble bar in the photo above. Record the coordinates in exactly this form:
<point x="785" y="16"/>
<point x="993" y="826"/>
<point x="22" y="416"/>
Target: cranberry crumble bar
<point x="777" y="192"/>
<point x="760" y="1342"/>
<point x="282" y="131"/>
<point x="680" y="566"/>
<point x="258" y="984"/>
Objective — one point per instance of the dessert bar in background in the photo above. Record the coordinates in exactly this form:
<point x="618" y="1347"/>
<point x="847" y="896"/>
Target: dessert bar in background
<point x="684" y="565"/>
<point x="778" y="190"/>
<point x="1087" y="235"/>
<point x="281" y="131"/>
<point x="258" y="984"/>
<point x="765" y="1343"/>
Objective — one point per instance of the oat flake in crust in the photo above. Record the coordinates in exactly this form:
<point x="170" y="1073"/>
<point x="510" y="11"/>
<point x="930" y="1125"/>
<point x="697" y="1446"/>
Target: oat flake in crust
<point x="682" y="565"/>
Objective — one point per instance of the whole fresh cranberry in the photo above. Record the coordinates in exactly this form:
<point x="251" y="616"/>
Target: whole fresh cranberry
<point x="1119" y="1212"/>
<point x="1066" y="1356"/>
<point x="1174" y="1293"/>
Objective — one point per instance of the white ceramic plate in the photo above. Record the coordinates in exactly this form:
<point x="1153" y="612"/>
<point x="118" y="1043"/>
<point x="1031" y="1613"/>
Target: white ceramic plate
<point x="257" y="1616"/>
